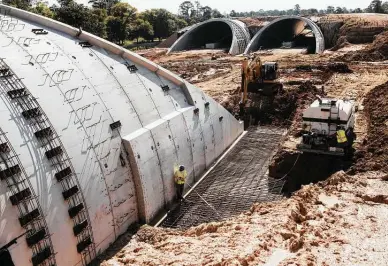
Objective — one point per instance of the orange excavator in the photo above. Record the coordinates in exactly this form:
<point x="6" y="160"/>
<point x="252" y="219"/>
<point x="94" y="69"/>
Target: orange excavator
<point x="261" y="79"/>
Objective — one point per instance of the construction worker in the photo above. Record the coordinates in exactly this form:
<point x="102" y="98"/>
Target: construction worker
<point x="180" y="175"/>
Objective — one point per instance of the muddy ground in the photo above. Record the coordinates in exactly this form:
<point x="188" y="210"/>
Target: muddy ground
<point x="340" y="220"/>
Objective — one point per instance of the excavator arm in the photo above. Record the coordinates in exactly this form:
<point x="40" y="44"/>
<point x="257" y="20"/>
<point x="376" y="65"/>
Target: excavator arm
<point x="256" y="78"/>
<point x="244" y="82"/>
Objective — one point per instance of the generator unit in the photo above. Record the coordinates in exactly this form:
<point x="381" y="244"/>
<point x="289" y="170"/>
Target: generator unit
<point x="320" y="124"/>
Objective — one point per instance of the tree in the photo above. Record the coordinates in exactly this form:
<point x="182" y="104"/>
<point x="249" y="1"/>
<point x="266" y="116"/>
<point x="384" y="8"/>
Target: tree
<point x="206" y="13"/>
<point x="216" y="14"/>
<point x="78" y="15"/>
<point x="114" y="29"/>
<point x="312" y="11"/>
<point x="197" y="13"/>
<point x="330" y="10"/>
<point x="119" y="25"/>
<point x="339" y="10"/>
<point x="22" y="4"/>
<point x="186" y="9"/>
<point x="42" y="9"/>
<point x="384" y="6"/>
<point x="165" y="24"/>
<point x="233" y="13"/>
<point x="103" y="4"/>
<point x="297" y="9"/>
<point x="376" y="6"/>
<point x="96" y="22"/>
<point x="357" y="10"/>
<point x="180" y="23"/>
<point x="124" y="10"/>
<point x="143" y="29"/>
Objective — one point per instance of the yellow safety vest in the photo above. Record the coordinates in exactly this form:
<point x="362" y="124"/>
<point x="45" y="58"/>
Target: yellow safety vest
<point x="341" y="136"/>
<point x="180" y="176"/>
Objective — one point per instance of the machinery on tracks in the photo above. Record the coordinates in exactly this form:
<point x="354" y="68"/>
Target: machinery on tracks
<point x="323" y="122"/>
<point x="261" y="79"/>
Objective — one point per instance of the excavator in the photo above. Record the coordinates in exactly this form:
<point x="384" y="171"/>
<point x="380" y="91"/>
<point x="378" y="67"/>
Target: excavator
<point x="260" y="79"/>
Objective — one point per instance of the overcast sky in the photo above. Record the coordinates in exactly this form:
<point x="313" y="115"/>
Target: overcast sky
<point x="249" y="5"/>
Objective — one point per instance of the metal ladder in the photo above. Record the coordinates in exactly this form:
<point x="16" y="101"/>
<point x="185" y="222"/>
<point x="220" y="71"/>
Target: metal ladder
<point x="49" y="141"/>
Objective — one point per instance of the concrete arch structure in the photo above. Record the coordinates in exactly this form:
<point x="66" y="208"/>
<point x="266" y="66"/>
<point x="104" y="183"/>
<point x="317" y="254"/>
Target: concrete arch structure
<point x="232" y="35"/>
<point x="96" y="131"/>
<point x="285" y="29"/>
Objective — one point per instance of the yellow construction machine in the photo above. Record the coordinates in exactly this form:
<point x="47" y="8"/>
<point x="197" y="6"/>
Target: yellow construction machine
<point x="263" y="81"/>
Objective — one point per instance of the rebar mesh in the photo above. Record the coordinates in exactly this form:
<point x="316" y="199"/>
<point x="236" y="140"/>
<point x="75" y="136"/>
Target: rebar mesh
<point x="237" y="182"/>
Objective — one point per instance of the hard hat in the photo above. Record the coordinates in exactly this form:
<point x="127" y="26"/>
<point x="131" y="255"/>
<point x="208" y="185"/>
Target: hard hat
<point x="181" y="168"/>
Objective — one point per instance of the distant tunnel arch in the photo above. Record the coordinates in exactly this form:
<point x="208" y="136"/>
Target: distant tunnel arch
<point x="287" y="29"/>
<point x="231" y="35"/>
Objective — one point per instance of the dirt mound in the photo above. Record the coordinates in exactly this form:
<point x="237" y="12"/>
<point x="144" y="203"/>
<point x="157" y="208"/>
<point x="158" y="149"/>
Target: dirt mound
<point x="197" y="70"/>
<point x="373" y="155"/>
<point x="377" y="51"/>
<point x="335" y="67"/>
<point x="290" y="104"/>
<point x="340" y="30"/>
<point x="152" y="54"/>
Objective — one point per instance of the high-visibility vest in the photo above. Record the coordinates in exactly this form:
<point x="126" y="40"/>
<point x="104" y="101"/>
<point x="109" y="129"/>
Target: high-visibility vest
<point x="180" y="176"/>
<point x="341" y="136"/>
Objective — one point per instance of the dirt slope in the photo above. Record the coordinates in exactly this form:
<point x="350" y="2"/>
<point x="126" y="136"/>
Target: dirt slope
<point x="373" y="154"/>
<point x="377" y="51"/>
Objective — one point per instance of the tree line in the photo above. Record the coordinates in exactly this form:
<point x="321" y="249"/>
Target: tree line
<point x="118" y="21"/>
<point x="376" y="6"/>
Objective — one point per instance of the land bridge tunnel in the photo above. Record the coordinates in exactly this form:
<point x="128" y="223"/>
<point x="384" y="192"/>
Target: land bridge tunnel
<point x="289" y="31"/>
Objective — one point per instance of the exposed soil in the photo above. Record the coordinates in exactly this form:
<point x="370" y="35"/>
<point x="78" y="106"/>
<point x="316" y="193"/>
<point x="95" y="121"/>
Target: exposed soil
<point x="373" y="154"/>
<point x="342" y="30"/>
<point x="377" y="51"/>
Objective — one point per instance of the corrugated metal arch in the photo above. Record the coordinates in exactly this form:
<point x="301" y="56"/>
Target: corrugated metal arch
<point x="239" y="30"/>
<point x="320" y="41"/>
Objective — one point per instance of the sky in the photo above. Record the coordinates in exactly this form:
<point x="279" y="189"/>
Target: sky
<point x="248" y="5"/>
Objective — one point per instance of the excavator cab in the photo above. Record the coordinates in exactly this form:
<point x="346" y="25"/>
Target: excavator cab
<point x="270" y="71"/>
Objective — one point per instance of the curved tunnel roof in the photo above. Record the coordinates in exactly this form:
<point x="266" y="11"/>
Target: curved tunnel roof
<point x="232" y="35"/>
<point x="89" y="135"/>
<point x="285" y="28"/>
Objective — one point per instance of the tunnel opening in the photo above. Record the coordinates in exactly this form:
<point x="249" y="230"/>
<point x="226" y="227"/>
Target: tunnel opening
<point x="285" y="34"/>
<point x="213" y="35"/>
<point x="289" y="33"/>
